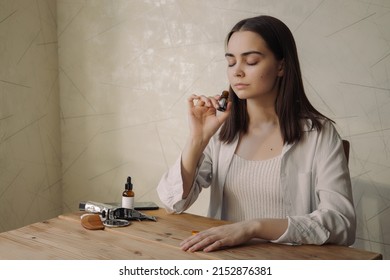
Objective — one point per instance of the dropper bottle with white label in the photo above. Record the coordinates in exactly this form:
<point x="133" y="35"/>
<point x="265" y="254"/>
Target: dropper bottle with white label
<point x="128" y="195"/>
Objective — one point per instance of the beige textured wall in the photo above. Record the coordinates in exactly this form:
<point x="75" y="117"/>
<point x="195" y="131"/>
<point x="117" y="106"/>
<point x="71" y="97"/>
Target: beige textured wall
<point x="30" y="150"/>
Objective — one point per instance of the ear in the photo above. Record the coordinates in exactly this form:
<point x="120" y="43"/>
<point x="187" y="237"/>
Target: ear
<point x="281" y="68"/>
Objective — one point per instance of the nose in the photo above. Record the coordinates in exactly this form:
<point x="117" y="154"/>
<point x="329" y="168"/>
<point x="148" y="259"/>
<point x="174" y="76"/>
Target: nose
<point x="238" y="73"/>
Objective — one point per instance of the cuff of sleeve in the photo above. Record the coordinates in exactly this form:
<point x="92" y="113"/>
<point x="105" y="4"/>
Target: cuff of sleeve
<point x="302" y="230"/>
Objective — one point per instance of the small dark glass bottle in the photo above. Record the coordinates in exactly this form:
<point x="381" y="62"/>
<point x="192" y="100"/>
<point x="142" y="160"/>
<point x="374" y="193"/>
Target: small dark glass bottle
<point x="223" y="101"/>
<point x="128" y="195"/>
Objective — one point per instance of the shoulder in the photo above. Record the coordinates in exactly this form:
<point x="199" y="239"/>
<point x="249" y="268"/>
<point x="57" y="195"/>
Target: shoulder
<point x="216" y="143"/>
<point x="324" y="141"/>
<point x="216" y="147"/>
<point x="316" y="145"/>
<point x="324" y="137"/>
<point x="325" y="128"/>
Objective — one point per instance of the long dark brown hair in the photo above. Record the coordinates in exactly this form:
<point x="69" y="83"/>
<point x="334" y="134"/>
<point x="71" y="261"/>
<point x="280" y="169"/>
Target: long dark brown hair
<point x="291" y="105"/>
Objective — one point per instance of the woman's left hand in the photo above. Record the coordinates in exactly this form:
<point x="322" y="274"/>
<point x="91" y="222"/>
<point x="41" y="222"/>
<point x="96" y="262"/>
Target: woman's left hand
<point x="222" y="236"/>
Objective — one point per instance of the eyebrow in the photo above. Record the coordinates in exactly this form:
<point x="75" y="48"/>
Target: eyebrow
<point x="244" y="54"/>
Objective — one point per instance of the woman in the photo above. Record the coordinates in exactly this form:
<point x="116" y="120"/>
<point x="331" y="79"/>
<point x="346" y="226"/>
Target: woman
<point x="275" y="165"/>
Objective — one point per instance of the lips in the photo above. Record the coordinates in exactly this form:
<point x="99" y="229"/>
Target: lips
<point x="241" y="86"/>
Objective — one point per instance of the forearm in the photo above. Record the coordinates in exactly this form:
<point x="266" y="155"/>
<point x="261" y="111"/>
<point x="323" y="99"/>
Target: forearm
<point x="269" y="229"/>
<point x="235" y="234"/>
<point x="203" y="123"/>
<point x="191" y="155"/>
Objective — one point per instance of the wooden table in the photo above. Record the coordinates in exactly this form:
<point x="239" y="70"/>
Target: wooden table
<point x="64" y="238"/>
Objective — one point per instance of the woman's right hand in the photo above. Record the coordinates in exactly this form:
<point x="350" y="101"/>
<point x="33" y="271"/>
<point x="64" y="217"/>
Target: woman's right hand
<point x="203" y="119"/>
<point x="204" y="123"/>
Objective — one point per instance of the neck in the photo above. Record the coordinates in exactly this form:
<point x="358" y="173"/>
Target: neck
<point x="261" y="113"/>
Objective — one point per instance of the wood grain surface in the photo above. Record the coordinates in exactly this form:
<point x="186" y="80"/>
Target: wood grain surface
<point x="65" y="238"/>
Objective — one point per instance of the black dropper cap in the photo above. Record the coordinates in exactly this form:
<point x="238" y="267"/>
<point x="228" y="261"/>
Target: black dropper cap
<point x="128" y="185"/>
<point x="82" y="205"/>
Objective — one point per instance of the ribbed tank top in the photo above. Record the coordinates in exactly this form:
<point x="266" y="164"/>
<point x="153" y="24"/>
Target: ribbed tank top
<point x="252" y="190"/>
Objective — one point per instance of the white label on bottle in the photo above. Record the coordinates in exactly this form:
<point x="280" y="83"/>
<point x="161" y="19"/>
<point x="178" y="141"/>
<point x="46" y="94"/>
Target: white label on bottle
<point x="128" y="202"/>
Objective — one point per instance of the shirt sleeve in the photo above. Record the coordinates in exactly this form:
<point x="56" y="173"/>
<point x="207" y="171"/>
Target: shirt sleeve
<point x="333" y="220"/>
<point x="170" y="187"/>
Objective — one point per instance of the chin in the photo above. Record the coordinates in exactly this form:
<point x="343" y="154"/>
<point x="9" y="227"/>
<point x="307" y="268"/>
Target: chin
<point x="241" y="94"/>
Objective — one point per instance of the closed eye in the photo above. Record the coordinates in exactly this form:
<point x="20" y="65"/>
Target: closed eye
<point x="231" y="61"/>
